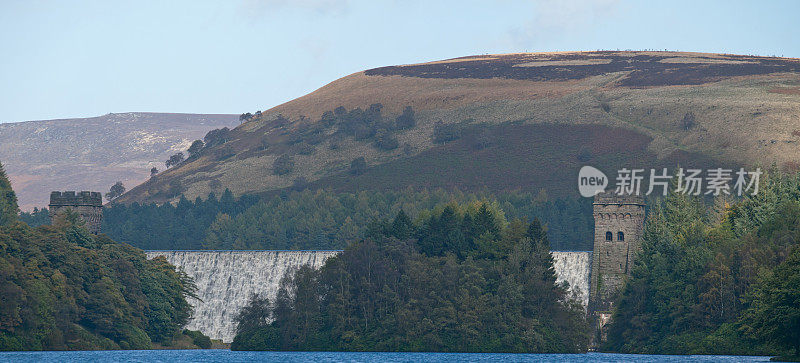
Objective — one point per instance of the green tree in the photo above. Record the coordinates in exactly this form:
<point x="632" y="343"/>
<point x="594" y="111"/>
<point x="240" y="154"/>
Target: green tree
<point x="406" y="120"/>
<point x="63" y="288"/>
<point x="217" y="136"/>
<point x="37" y="217"/>
<point x="774" y="312"/>
<point x="196" y="147"/>
<point x="402" y="228"/>
<point x="705" y="281"/>
<point x="318" y="219"/>
<point x="8" y="200"/>
<point x="115" y="191"/>
<point x="174" y="160"/>
<point x="390" y="294"/>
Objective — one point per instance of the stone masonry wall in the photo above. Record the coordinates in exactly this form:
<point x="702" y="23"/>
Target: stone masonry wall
<point x="612" y="259"/>
<point x="89" y="205"/>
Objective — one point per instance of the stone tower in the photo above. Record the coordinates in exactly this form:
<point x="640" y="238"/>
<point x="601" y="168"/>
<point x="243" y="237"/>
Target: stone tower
<point x="89" y="205"/>
<point x="618" y="224"/>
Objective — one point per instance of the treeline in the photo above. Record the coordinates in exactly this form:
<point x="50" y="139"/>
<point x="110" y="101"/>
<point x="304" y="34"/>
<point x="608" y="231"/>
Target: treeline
<point x="321" y="219"/>
<point x="366" y="125"/>
<point x="37" y="217"/>
<point x="459" y="279"/>
<point x="62" y="288"/>
<point x="182" y="226"/>
<point x="720" y="279"/>
<point x="369" y="125"/>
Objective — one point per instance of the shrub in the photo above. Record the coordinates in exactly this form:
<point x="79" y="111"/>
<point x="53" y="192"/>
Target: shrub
<point x="283" y="165"/>
<point x="199" y="339"/>
<point x="358" y="166"/>
<point x="443" y="133"/>
<point x="175" y="188"/>
<point x="224" y="152"/>
<point x="328" y="119"/>
<point x="386" y="142"/>
<point x="299" y="184"/>
<point x="406" y="119"/>
<point x="479" y="140"/>
<point x="315" y="138"/>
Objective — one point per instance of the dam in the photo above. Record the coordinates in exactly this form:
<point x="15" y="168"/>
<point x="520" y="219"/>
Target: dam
<point x="227" y="279"/>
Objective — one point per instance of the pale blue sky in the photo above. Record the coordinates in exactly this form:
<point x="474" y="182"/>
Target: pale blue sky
<point x="62" y="59"/>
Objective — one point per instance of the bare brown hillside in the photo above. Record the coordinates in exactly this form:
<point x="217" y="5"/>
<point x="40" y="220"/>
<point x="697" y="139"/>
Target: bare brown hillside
<point x="94" y="153"/>
<point x="686" y="106"/>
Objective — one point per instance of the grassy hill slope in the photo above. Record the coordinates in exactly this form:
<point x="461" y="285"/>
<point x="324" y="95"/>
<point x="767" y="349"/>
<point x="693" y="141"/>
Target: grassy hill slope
<point x="505" y="122"/>
<point x="94" y="153"/>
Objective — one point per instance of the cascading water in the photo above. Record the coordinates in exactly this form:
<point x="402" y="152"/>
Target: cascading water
<point x="574" y="267"/>
<point x="227" y="279"/>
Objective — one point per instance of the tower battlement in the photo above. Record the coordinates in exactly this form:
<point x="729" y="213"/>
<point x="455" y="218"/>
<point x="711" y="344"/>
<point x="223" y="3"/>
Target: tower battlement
<point x="71" y="198"/>
<point x="613" y="198"/>
<point x="89" y="205"/>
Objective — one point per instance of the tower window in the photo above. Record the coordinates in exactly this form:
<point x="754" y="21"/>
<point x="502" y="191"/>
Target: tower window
<point x="609" y="236"/>
<point x="620" y="236"/>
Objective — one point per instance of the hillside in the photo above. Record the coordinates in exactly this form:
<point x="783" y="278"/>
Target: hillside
<point x="94" y="153"/>
<point x="506" y="122"/>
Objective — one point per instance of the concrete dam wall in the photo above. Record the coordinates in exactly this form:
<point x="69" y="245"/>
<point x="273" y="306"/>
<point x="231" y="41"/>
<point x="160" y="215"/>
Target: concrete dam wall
<point x="227" y="279"/>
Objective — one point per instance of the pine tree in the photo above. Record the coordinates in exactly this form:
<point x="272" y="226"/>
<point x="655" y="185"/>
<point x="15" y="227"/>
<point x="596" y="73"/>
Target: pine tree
<point x="402" y="227"/>
<point x="227" y="202"/>
<point x="8" y="200"/>
<point x="485" y="221"/>
<point x="774" y="314"/>
<point x="537" y="234"/>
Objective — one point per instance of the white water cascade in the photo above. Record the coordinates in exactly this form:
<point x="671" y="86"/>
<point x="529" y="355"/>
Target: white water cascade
<point x="574" y="267"/>
<point x="227" y="279"/>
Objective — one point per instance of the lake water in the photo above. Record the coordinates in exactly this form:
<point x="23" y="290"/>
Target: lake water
<point x="227" y="356"/>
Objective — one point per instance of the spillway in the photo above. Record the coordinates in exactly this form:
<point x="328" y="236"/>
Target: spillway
<point x="227" y="279"/>
<point x="574" y="267"/>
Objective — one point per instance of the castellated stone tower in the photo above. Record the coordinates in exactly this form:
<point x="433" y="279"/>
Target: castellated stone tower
<point x="89" y="205"/>
<point x="618" y="224"/>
